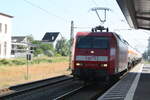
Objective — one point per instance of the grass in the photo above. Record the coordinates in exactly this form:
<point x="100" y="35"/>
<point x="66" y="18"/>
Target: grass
<point x="35" y="60"/>
<point x="14" y="71"/>
<point x="18" y="74"/>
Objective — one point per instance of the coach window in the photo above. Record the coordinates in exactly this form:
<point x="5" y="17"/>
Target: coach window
<point x="0" y="27"/>
<point x="5" y="28"/>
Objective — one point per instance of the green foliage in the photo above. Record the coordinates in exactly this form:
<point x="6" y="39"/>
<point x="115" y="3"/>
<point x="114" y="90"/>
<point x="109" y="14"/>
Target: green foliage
<point x="37" y="51"/>
<point x="37" y="60"/>
<point x="57" y="55"/>
<point x="45" y="47"/>
<point x="36" y="42"/>
<point x="41" y="60"/>
<point x="18" y="62"/>
<point x="42" y="48"/>
<point x="12" y="62"/>
<point x="62" y="47"/>
<point x="30" y="38"/>
<point x="60" y="59"/>
<point x="21" y="47"/>
<point x="5" y="62"/>
<point x="49" y="53"/>
<point x="146" y="54"/>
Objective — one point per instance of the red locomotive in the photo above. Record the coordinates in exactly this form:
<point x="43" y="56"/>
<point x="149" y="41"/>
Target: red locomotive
<point x="99" y="55"/>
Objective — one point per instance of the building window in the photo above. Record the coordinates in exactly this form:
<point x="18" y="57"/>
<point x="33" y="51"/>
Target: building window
<point x="5" y="28"/>
<point x="5" y="48"/>
<point x="0" y="27"/>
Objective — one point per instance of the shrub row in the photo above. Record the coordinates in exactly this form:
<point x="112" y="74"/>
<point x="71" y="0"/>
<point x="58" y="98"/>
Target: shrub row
<point x="23" y="61"/>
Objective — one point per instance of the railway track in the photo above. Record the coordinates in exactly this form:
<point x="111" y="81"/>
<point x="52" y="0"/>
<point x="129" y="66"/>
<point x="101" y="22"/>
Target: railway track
<point x="88" y="92"/>
<point x="57" y="88"/>
<point x="62" y="97"/>
<point x="62" y="88"/>
<point x="85" y="92"/>
<point x="24" y="88"/>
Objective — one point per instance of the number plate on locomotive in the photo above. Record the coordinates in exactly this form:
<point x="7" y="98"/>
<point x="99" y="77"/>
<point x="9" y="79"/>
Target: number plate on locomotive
<point x="91" y="58"/>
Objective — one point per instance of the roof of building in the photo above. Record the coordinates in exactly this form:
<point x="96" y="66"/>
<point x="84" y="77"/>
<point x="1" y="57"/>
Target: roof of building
<point x="6" y="15"/>
<point x="18" y="38"/>
<point x="136" y="12"/>
<point x="50" y="36"/>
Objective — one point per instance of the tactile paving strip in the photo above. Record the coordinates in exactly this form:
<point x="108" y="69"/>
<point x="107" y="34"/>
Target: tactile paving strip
<point x="120" y="89"/>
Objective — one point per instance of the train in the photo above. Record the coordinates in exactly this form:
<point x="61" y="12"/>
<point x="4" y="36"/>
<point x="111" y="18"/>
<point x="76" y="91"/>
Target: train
<point x="102" y="55"/>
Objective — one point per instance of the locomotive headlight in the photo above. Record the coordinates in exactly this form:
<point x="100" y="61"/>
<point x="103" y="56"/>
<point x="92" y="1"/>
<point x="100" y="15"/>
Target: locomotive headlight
<point x="79" y="64"/>
<point x="103" y="65"/>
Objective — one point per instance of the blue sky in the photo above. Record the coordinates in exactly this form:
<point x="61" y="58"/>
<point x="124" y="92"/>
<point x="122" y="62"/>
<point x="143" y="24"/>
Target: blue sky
<point x="55" y="16"/>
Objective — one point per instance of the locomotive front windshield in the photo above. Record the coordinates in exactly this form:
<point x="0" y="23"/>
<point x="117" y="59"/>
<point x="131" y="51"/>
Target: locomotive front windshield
<point x="93" y="42"/>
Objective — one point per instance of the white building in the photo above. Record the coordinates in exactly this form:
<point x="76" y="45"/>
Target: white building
<point x="20" y="46"/>
<point x="5" y="35"/>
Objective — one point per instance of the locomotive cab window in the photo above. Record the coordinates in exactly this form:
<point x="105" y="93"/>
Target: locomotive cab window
<point x="100" y="43"/>
<point x="93" y="42"/>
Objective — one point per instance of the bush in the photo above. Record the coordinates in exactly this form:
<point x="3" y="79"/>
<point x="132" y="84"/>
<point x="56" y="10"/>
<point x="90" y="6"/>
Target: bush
<point x="49" y="53"/>
<point x="57" y="55"/>
<point x="18" y="62"/>
<point x="5" y="62"/>
<point x="22" y="61"/>
<point x="62" y="47"/>
<point x="12" y="62"/>
<point x="38" y="51"/>
<point x="41" y="60"/>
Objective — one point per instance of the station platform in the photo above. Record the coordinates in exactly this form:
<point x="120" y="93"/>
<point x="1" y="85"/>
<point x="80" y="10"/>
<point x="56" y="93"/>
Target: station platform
<point x="134" y="86"/>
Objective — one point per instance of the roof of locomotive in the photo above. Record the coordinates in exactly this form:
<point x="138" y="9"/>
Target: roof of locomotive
<point x="95" y="34"/>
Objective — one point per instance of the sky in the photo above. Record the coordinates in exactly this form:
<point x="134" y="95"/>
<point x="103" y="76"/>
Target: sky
<point x="36" y="17"/>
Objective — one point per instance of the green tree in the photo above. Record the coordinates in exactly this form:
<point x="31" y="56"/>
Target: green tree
<point x="38" y="51"/>
<point x="62" y="47"/>
<point x="146" y="54"/>
<point x="30" y="38"/>
<point x="36" y="42"/>
<point x="45" y="47"/>
<point x="42" y="48"/>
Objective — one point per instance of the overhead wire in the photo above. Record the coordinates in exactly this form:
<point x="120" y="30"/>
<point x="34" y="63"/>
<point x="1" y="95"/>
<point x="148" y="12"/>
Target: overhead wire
<point x="82" y="27"/>
<point x="115" y="12"/>
<point x="104" y="17"/>
<point x="65" y="10"/>
<point x="94" y="2"/>
<point x="44" y="10"/>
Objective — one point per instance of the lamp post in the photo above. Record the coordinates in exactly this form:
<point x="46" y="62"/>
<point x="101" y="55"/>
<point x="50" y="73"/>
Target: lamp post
<point x="28" y="57"/>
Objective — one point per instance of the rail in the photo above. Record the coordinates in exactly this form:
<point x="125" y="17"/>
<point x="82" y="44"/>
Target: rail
<point x="27" y="87"/>
<point x="62" y="97"/>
